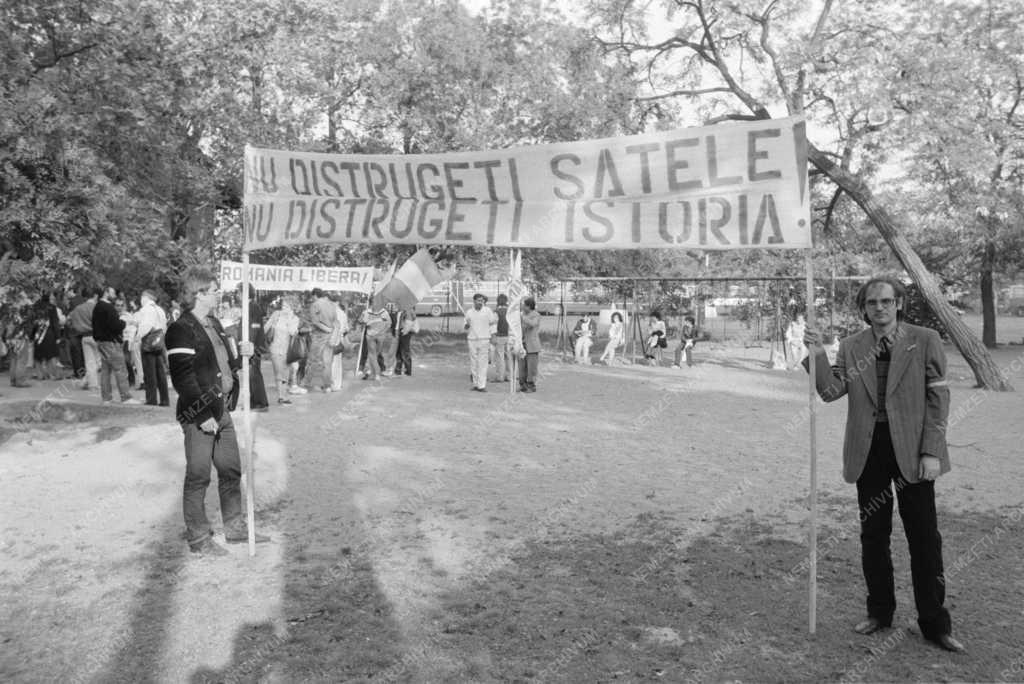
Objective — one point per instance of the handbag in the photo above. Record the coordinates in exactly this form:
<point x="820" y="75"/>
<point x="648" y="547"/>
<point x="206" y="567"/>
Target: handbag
<point x="153" y="341"/>
<point x="41" y="334"/>
<point x="298" y="348"/>
<point x="344" y="345"/>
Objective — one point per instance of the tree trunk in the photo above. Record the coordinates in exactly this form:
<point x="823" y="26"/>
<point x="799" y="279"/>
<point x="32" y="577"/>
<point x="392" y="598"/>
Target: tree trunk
<point x="986" y="372"/>
<point x="332" y="128"/>
<point x="988" y="296"/>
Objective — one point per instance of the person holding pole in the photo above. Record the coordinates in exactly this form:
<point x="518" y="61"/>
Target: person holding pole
<point x="502" y="357"/>
<point x="530" y="351"/>
<point x="894" y="375"/>
<point x="377" y="325"/>
<point x="203" y="366"/>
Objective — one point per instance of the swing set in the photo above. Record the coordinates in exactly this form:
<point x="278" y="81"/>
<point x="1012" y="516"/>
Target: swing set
<point x="755" y="308"/>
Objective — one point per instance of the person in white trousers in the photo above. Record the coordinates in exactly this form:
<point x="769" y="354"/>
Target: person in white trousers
<point x="481" y="328"/>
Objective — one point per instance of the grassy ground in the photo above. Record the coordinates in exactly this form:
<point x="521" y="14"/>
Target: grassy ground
<point x="622" y="524"/>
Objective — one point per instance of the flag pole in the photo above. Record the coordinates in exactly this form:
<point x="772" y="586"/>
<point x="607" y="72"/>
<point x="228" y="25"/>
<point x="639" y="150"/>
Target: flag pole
<point x="812" y="565"/>
<point x="250" y="485"/>
<point x="359" y="351"/>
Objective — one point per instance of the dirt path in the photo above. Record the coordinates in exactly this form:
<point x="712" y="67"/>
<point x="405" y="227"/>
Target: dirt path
<point x="423" y="532"/>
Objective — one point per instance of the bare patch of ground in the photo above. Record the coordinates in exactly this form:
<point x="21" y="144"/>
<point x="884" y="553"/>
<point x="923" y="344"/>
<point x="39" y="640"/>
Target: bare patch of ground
<point x="621" y="524"/>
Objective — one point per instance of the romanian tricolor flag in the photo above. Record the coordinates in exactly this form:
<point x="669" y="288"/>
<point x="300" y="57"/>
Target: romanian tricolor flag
<point x="412" y="282"/>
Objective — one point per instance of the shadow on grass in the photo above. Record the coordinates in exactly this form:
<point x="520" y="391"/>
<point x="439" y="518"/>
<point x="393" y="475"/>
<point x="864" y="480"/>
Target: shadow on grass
<point x="732" y="605"/>
<point x="51" y="414"/>
<point x="336" y="624"/>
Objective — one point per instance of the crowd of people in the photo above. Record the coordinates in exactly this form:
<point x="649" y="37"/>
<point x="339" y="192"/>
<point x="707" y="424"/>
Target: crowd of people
<point x="95" y="337"/>
<point x="105" y="338"/>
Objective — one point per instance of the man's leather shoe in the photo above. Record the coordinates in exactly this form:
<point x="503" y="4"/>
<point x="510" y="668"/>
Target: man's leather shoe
<point x="948" y="643"/>
<point x="208" y="547"/>
<point x="869" y="626"/>
<point x="244" y="539"/>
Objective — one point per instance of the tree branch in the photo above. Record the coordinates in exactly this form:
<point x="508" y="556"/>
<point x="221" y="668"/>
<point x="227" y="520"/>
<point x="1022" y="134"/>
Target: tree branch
<point x="58" y="56"/>
<point x="732" y="117"/>
<point x="723" y="69"/>
<point x="764" y="21"/>
<point x="684" y="93"/>
<point x="827" y="225"/>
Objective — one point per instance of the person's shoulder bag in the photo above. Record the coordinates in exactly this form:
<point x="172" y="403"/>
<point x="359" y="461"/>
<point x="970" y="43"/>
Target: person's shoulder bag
<point x="153" y="341"/>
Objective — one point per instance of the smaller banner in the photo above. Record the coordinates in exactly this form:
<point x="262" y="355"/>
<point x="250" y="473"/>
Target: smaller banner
<point x="412" y="282"/>
<point x="516" y="292"/>
<point x="297" y="278"/>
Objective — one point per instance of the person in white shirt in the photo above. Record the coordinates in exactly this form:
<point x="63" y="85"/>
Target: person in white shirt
<point x="795" y="341"/>
<point x="130" y="341"/>
<point x="481" y="328"/>
<point x="152" y="326"/>
<point x="616" y="338"/>
<point x="279" y="329"/>
<point x="338" y="332"/>
<point x="377" y="326"/>
<point x="584" y="339"/>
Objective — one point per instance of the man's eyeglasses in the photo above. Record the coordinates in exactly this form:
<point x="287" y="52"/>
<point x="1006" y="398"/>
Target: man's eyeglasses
<point x="886" y="303"/>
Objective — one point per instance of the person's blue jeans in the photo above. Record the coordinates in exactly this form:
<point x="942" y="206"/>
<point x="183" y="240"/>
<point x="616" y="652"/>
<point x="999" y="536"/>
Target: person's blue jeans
<point x="221" y="451"/>
<point x="318" y="360"/>
<point x="374" y="345"/>
<point x="112" y="363"/>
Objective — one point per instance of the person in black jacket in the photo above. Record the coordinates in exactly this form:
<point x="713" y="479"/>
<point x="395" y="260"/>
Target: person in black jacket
<point x="203" y="362"/>
<point x="107" y="328"/>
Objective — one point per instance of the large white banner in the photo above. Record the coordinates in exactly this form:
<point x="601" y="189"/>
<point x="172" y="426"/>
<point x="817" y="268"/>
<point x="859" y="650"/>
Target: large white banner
<point x="730" y="186"/>
<point x="297" y="278"/>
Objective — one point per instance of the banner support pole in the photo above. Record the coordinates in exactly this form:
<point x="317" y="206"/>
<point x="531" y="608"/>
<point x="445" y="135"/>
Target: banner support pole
<point x="250" y="470"/>
<point x="812" y="534"/>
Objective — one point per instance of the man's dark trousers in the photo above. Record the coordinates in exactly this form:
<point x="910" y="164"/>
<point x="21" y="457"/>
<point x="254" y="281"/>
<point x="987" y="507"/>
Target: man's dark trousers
<point x="403" y="357"/>
<point x="221" y="451"/>
<point x="154" y="375"/>
<point x="77" y="355"/>
<point x="528" y="371"/>
<point x="917" y="510"/>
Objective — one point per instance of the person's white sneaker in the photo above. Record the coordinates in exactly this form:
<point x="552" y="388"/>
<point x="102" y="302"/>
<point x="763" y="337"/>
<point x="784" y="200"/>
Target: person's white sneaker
<point x="295" y="389"/>
<point x="132" y="401"/>
<point x="676" y="366"/>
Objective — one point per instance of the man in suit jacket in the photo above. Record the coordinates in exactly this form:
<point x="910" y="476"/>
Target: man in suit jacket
<point x="894" y="376"/>
<point x="531" y="346"/>
<point x="203" y="362"/>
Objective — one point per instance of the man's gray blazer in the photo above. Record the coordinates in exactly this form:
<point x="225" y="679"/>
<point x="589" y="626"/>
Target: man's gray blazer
<point x="916" y="397"/>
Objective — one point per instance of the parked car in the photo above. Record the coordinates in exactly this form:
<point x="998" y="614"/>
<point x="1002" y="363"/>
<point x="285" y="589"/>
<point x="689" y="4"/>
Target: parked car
<point x="1011" y="300"/>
